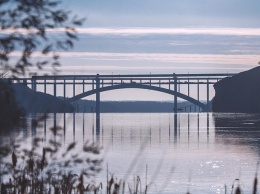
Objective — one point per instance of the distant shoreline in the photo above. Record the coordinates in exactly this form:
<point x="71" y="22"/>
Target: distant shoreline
<point x="88" y="106"/>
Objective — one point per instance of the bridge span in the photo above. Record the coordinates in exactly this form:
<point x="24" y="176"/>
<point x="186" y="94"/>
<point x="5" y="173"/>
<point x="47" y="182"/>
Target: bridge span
<point x="95" y="84"/>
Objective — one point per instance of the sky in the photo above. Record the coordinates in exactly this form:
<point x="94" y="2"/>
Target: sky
<point x="163" y="36"/>
<point x="167" y="13"/>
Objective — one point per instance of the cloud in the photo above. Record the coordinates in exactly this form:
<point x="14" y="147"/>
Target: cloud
<point x="167" y="57"/>
<point x="80" y="68"/>
<point x="171" y="31"/>
<point x="158" y="57"/>
<point x="151" y="31"/>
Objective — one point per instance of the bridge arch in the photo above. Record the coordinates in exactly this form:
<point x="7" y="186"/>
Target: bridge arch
<point x="138" y="86"/>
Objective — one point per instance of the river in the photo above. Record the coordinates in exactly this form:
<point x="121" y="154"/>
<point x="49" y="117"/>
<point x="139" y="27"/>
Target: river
<point x="196" y="152"/>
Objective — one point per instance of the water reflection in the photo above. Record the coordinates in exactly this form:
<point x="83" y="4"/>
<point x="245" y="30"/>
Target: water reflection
<point x="181" y="128"/>
<point x="178" y="128"/>
<point x="238" y="129"/>
<point x="203" y="146"/>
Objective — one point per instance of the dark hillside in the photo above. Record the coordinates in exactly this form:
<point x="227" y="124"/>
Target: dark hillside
<point x="38" y="102"/>
<point x="240" y="93"/>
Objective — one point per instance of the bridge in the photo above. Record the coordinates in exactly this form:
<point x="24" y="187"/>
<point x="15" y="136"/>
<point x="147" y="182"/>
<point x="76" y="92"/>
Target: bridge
<point x="172" y="84"/>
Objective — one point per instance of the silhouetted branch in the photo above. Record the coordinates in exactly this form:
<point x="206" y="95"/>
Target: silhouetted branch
<point x="30" y="26"/>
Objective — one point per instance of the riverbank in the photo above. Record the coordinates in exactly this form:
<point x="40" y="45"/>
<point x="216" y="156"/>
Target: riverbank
<point x="38" y="102"/>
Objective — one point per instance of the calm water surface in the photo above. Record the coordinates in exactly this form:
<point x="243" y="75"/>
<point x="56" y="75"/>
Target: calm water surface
<point x="196" y="152"/>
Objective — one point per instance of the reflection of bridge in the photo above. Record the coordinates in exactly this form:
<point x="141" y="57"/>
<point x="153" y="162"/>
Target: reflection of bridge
<point x="172" y="84"/>
<point x="188" y="127"/>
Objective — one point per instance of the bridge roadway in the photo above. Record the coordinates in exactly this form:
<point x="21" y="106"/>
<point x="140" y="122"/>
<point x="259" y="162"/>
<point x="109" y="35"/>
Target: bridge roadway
<point x="166" y="83"/>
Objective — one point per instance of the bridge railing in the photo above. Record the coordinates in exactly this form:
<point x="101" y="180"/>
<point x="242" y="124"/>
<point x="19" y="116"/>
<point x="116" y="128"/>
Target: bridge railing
<point x="169" y="81"/>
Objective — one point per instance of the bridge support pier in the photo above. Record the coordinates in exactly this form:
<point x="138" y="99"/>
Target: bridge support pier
<point x="83" y="85"/>
<point x="25" y="82"/>
<point x="45" y="86"/>
<point x="74" y="87"/>
<point x="198" y="91"/>
<point x="98" y="96"/>
<point x="175" y="97"/>
<point x="54" y="88"/>
<point x="64" y="89"/>
<point x="208" y="96"/>
<point x="33" y="83"/>
<point x="98" y="105"/>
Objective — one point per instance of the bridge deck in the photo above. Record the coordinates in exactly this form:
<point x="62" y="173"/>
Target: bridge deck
<point x="167" y="83"/>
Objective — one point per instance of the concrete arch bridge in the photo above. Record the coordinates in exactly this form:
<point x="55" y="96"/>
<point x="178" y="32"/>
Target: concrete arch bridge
<point x="177" y="85"/>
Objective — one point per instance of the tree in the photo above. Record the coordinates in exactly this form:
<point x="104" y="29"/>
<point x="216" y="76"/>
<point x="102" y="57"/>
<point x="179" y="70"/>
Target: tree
<point x="28" y="27"/>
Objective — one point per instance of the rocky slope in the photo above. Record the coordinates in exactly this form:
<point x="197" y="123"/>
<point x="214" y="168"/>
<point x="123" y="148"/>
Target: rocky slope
<point x="38" y="102"/>
<point x="240" y="93"/>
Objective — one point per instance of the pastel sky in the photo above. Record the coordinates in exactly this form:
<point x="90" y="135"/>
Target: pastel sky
<point x="158" y="36"/>
<point x="167" y="13"/>
<point x="164" y="36"/>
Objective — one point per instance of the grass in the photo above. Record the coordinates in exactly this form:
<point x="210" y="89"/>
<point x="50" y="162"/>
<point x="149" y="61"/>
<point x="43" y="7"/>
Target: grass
<point x="48" y="169"/>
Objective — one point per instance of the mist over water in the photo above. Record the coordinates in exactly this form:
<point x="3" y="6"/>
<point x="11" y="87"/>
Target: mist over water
<point x="199" y="152"/>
